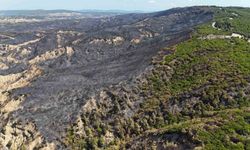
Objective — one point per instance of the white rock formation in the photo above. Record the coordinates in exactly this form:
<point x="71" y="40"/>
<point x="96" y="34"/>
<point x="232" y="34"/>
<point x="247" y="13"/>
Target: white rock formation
<point x="236" y="35"/>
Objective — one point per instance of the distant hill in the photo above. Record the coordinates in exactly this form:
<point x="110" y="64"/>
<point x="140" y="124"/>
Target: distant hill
<point x="46" y="13"/>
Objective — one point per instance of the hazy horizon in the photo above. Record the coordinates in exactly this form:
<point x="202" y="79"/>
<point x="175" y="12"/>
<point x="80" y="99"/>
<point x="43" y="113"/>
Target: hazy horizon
<point x="111" y="5"/>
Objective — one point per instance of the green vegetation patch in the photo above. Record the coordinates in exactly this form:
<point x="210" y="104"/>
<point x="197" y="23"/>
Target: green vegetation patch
<point x="227" y="129"/>
<point x="196" y="62"/>
<point x="228" y="20"/>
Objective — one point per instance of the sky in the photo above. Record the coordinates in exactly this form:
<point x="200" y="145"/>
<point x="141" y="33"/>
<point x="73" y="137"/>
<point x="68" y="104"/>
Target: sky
<point x="131" y="5"/>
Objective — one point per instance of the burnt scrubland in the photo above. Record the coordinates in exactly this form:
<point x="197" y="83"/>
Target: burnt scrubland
<point x="176" y="79"/>
<point x="195" y="97"/>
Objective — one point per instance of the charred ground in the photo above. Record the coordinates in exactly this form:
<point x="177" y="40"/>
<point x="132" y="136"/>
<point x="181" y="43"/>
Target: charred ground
<point x="106" y="82"/>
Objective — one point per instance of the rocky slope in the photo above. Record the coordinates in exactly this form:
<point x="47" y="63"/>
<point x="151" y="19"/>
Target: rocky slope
<point x="50" y="70"/>
<point x="122" y="82"/>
